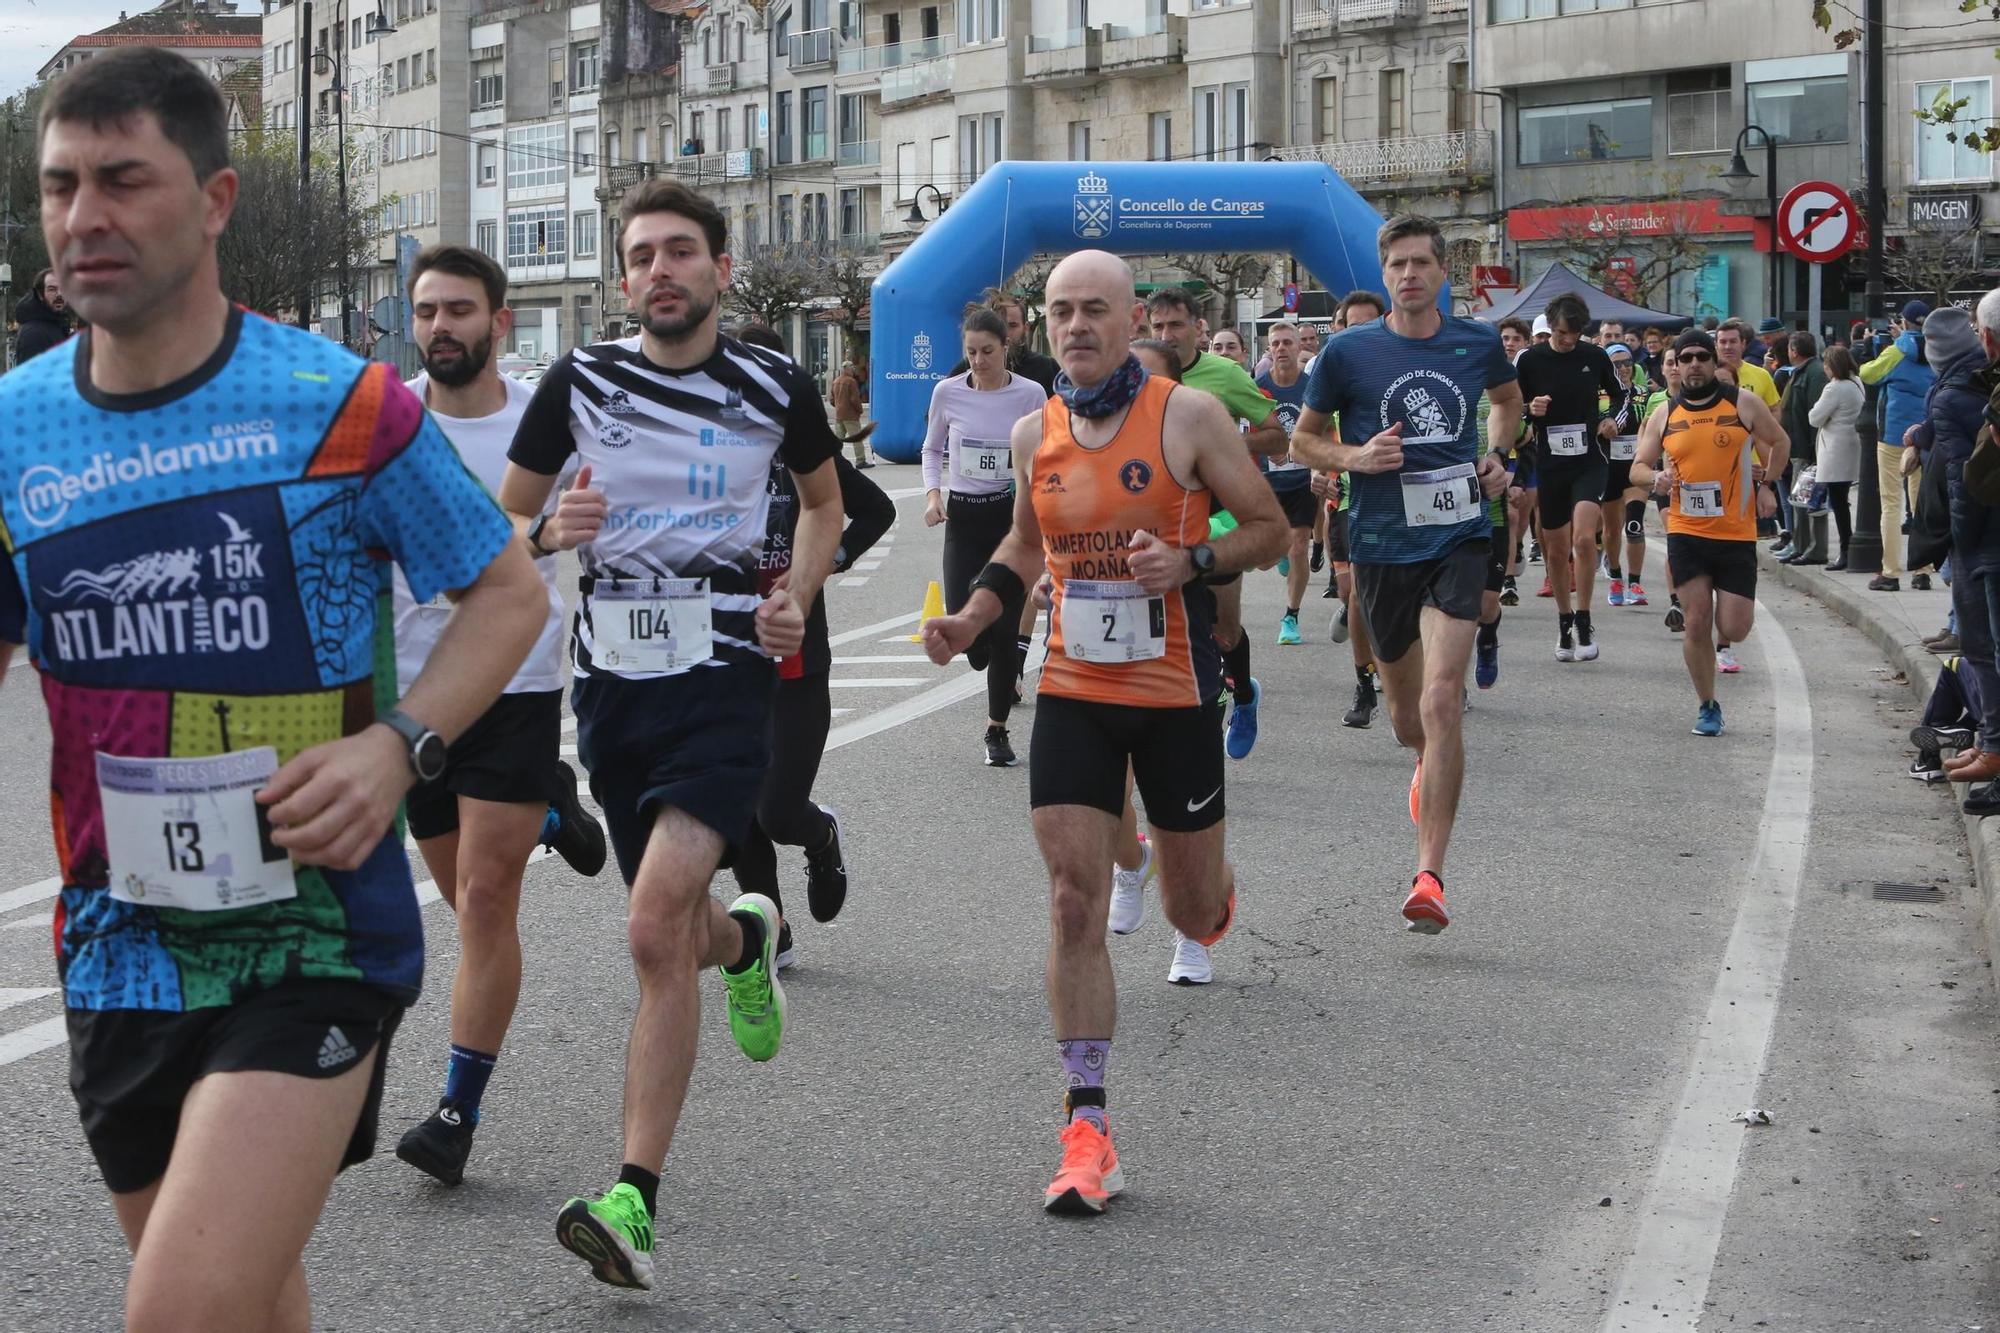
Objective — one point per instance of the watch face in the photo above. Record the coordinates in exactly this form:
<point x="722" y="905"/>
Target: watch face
<point x="428" y="756"/>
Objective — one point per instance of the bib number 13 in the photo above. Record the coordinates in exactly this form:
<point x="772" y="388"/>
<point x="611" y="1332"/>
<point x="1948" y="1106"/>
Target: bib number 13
<point x="184" y="854"/>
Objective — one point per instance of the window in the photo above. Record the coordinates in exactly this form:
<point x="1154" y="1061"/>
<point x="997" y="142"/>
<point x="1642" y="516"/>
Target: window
<point x="1458" y="82"/>
<point x="639" y="145"/>
<point x="1506" y="11"/>
<point x="1698" y="122"/>
<point x="941" y="164"/>
<point x="782" y="150"/>
<point x="1586" y="132"/>
<point x="487" y="238"/>
<point x="850" y="214"/>
<point x="611" y="147"/>
<point x="906" y="172"/>
<point x="1394" y="113"/>
<point x="1938" y="158"/>
<point x="489" y="83"/>
<point x="537" y="237"/>
<point x="981" y="21"/>
<point x="1159" y="137"/>
<point x="402" y="75"/>
<point x="534" y="157"/>
<point x="787" y="218"/>
<point x="558" y="71"/>
<point x="430" y="67"/>
<point x="740" y="33"/>
<point x="1207" y="123"/>
<point x="813" y="124"/>
<point x="1326" y="116"/>
<point x="489" y="164"/>
<point x="1222" y="122"/>
<point x="996" y="137"/>
<point x="853" y="119"/>
<point x="583" y="67"/>
<point x="584" y="232"/>
<point x="722" y="123"/>
<point x="697" y="125"/>
<point x="1800" y="100"/>
<point x="583" y="155"/>
<point x="707" y="46"/>
<point x="1079" y="141"/>
<point x="750" y="126"/>
<point x="353" y="33"/>
<point x="927" y="22"/>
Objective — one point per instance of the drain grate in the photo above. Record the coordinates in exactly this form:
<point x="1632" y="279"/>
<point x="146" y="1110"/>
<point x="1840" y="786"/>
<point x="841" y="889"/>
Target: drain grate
<point x="1908" y="893"/>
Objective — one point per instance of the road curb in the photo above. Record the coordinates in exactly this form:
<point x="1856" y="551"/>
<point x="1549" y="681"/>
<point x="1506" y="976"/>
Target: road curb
<point x="1919" y="668"/>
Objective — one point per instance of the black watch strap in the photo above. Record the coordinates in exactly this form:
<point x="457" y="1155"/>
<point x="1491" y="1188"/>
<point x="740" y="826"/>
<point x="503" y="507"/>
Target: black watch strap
<point x="535" y="536"/>
<point x="426" y="748"/>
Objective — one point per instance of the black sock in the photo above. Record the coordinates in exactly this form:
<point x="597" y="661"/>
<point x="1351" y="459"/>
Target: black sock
<point x="1618" y="573"/>
<point x="1365" y="675"/>
<point x="1569" y="620"/>
<point x="1489" y="635"/>
<point x="1237" y="660"/>
<point x="644" y="1181"/>
<point x="1292" y="611"/>
<point x="1025" y="641"/>
<point x="753" y="940"/>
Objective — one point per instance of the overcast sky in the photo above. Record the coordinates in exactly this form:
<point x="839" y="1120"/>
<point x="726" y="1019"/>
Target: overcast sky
<point x="33" y="30"/>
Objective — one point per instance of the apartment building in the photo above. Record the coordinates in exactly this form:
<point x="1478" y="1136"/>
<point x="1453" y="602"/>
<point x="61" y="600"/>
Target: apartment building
<point x="1944" y="212"/>
<point x="535" y="154"/>
<point x="219" y="36"/>
<point x="638" y="105"/>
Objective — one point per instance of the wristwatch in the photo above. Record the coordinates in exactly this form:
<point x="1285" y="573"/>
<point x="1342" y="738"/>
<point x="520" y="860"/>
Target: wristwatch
<point x="535" y="536"/>
<point x="427" y="748"/>
<point x="1202" y="556"/>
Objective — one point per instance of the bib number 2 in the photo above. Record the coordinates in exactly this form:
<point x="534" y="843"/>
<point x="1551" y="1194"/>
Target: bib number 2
<point x="1112" y="622"/>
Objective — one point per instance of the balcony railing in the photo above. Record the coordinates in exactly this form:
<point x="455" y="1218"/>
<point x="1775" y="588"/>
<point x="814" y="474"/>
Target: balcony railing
<point x="722" y="78"/>
<point x="1381" y="11"/>
<point x="925" y="78"/>
<point x="857" y="59"/>
<point x="1375" y="161"/>
<point x="812" y="48"/>
<point x="707" y="168"/>
<point x="863" y="153"/>
<point x="1156" y="40"/>
<point x="613" y="181"/>
<point x="1313" y="15"/>
<point x="1063" y="57"/>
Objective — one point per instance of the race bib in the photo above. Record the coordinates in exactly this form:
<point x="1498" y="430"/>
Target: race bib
<point x="1113" y="622"/>
<point x="1286" y="464"/>
<point x="1568" y="441"/>
<point x="1701" y="499"/>
<point x="188" y="833"/>
<point x="438" y="602"/>
<point x="1446" y="496"/>
<point x="651" y="626"/>
<point x="986" y="460"/>
<point x="1624" y="448"/>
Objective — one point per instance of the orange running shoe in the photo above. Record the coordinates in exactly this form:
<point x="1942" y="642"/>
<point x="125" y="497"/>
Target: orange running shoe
<point x="1089" y="1174"/>
<point x="1548" y="588"/>
<point x="1228" y="919"/>
<point x="1416" y="786"/>
<point x="1423" y="910"/>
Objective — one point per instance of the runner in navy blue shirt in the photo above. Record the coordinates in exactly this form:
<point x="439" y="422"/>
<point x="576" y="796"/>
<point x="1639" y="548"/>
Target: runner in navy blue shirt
<point x="1291" y="480"/>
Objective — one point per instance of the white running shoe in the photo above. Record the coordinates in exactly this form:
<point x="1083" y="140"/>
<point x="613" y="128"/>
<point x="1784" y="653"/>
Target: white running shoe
<point x="1191" y="966"/>
<point x="1128" y="891"/>
<point x="1725" y="661"/>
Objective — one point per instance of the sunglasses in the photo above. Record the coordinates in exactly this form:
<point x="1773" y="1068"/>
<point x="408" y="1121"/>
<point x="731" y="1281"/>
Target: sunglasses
<point x="1693" y="358"/>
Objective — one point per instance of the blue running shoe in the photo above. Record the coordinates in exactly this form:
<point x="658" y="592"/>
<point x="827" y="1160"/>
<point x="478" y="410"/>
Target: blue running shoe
<point x="1708" y="722"/>
<point x="1243" y="724"/>
<point x="1284" y="566"/>
<point x="1487" y="670"/>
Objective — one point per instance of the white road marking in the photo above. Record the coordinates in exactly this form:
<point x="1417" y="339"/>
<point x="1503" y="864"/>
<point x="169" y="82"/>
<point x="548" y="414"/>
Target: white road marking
<point x="866" y="566"/>
<point x="872" y="659"/>
<point x="849" y="636"/>
<point x="909" y="710"/>
<point x="567" y="751"/>
<point x="34" y="1038"/>
<point x="842" y="712"/>
<point x="878" y="682"/>
<point x="13" y="995"/>
<point x="854" y="580"/>
<point x="1680" y="1224"/>
<point x="30" y="893"/>
<point x="38" y="921"/>
<point x="905" y="492"/>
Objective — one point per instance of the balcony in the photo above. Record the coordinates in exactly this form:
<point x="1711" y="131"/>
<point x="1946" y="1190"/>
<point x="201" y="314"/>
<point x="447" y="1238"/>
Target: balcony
<point x="1385" y="163"/>
<point x="1062" y="58"/>
<point x="862" y="153"/>
<point x="712" y="168"/>
<point x="1160" y="40"/>
<point x="720" y="78"/>
<point x="812" y="49"/>
<point x="872" y="60"/>
<point x="917" y="80"/>
<point x="613" y="181"/>
<point x="1313" y="16"/>
<point x="1380" y="13"/>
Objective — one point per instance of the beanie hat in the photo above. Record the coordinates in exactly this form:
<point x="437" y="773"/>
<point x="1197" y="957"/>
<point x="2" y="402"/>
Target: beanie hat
<point x="1948" y="336"/>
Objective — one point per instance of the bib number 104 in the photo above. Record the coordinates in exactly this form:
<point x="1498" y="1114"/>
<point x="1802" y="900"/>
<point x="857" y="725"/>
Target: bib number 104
<point x="648" y="624"/>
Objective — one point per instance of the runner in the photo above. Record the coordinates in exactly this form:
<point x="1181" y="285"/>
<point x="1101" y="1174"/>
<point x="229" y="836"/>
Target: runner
<point x="1620" y="496"/>
<point x="676" y="432"/>
<point x="969" y="477"/>
<point x="196" y="503"/>
<point x="1404" y="389"/>
<point x="1670" y="382"/>
<point x="503" y="789"/>
<point x="1523" y="517"/>
<point x="1114" y="505"/>
<point x="1561" y="380"/>
<point x="803" y="712"/>
<point x="1720" y="443"/>
<point x="1290" y="479"/>
<point x="1357" y="307"/>
<point x="1174" y="319"/>
<point x="1229" y="343"/>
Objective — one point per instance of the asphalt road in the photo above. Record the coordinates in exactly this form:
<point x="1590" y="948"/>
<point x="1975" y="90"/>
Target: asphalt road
<point x="1517" y="1125"/>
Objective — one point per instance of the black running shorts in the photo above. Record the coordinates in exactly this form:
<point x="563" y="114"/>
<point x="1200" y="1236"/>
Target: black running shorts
<point x="1079" y="749"/>
<point x="1298" y="504"/>
<point x="130" y="1069"/>
<point x="698" y="741"/>
<point x="1564" y="488"/>
<point x="1496" y="566"/>
<point x="1393" y="597"/>
<point x="1336" y="536"/>
<point x="1731" y="566"/>
<point x="508" y="756"/>
<point x="1617" y="480"/>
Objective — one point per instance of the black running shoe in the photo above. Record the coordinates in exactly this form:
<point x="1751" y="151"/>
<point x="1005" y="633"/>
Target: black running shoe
<point x="577" y="837"/>
<point x="1921" y="582"/>
<point x="1676" y="618"/>
<point x="1332" y="591"/>
<point x="786" y="955"/>
<point x="999" y="754"/>
<point x="826" y="876"/>
<point x="1932" y="739"/>
<point x="1928" y="766"/>
<point x="439" y="1146"/>
<point x="1510" y="592"/>
<point x="1318" y="557"/>
<point x="1363" y="711"/>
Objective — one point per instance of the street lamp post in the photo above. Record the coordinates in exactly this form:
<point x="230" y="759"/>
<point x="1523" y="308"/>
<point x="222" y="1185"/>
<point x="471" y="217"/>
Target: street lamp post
<point x="915" y="217"/>
<point x="1739" y="172"/>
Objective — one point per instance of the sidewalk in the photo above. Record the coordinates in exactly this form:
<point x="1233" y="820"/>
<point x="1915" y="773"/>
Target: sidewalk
<point x="1898" y="622"/>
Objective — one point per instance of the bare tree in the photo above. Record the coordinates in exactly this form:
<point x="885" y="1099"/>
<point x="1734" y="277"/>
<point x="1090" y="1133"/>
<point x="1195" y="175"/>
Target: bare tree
<point x="280" y="244"/>
<point x="847" y="274"/>
<point x="771" y="283"/>
<point x="1645" y="250"/>
<point x="1933" y="261"/>
<point x="1228" y="274"/>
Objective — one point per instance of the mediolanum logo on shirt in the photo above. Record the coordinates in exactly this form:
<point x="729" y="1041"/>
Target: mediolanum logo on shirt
<point x="47" y="491"/>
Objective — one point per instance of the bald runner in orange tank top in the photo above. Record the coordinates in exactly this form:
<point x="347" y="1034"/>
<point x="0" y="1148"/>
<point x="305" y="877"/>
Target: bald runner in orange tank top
<point x="1109" y="641"/>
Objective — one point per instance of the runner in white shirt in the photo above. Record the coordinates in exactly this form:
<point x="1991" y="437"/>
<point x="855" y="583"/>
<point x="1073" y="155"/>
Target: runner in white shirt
<point x="503" y="788"/>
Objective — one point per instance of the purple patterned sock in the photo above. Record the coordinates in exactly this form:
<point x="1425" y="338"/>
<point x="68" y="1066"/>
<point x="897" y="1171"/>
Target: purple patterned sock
<point x="1083" y="1060"/>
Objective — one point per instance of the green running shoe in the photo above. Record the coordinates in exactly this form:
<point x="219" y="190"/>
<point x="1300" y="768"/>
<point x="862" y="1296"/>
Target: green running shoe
<point x="1288" y="631"/>
<point x="613" y="1234"/>
<point x="756" y="1000"/>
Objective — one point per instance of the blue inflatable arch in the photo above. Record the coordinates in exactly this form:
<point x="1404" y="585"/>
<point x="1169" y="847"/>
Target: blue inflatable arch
<point x="1021" y="209"/>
